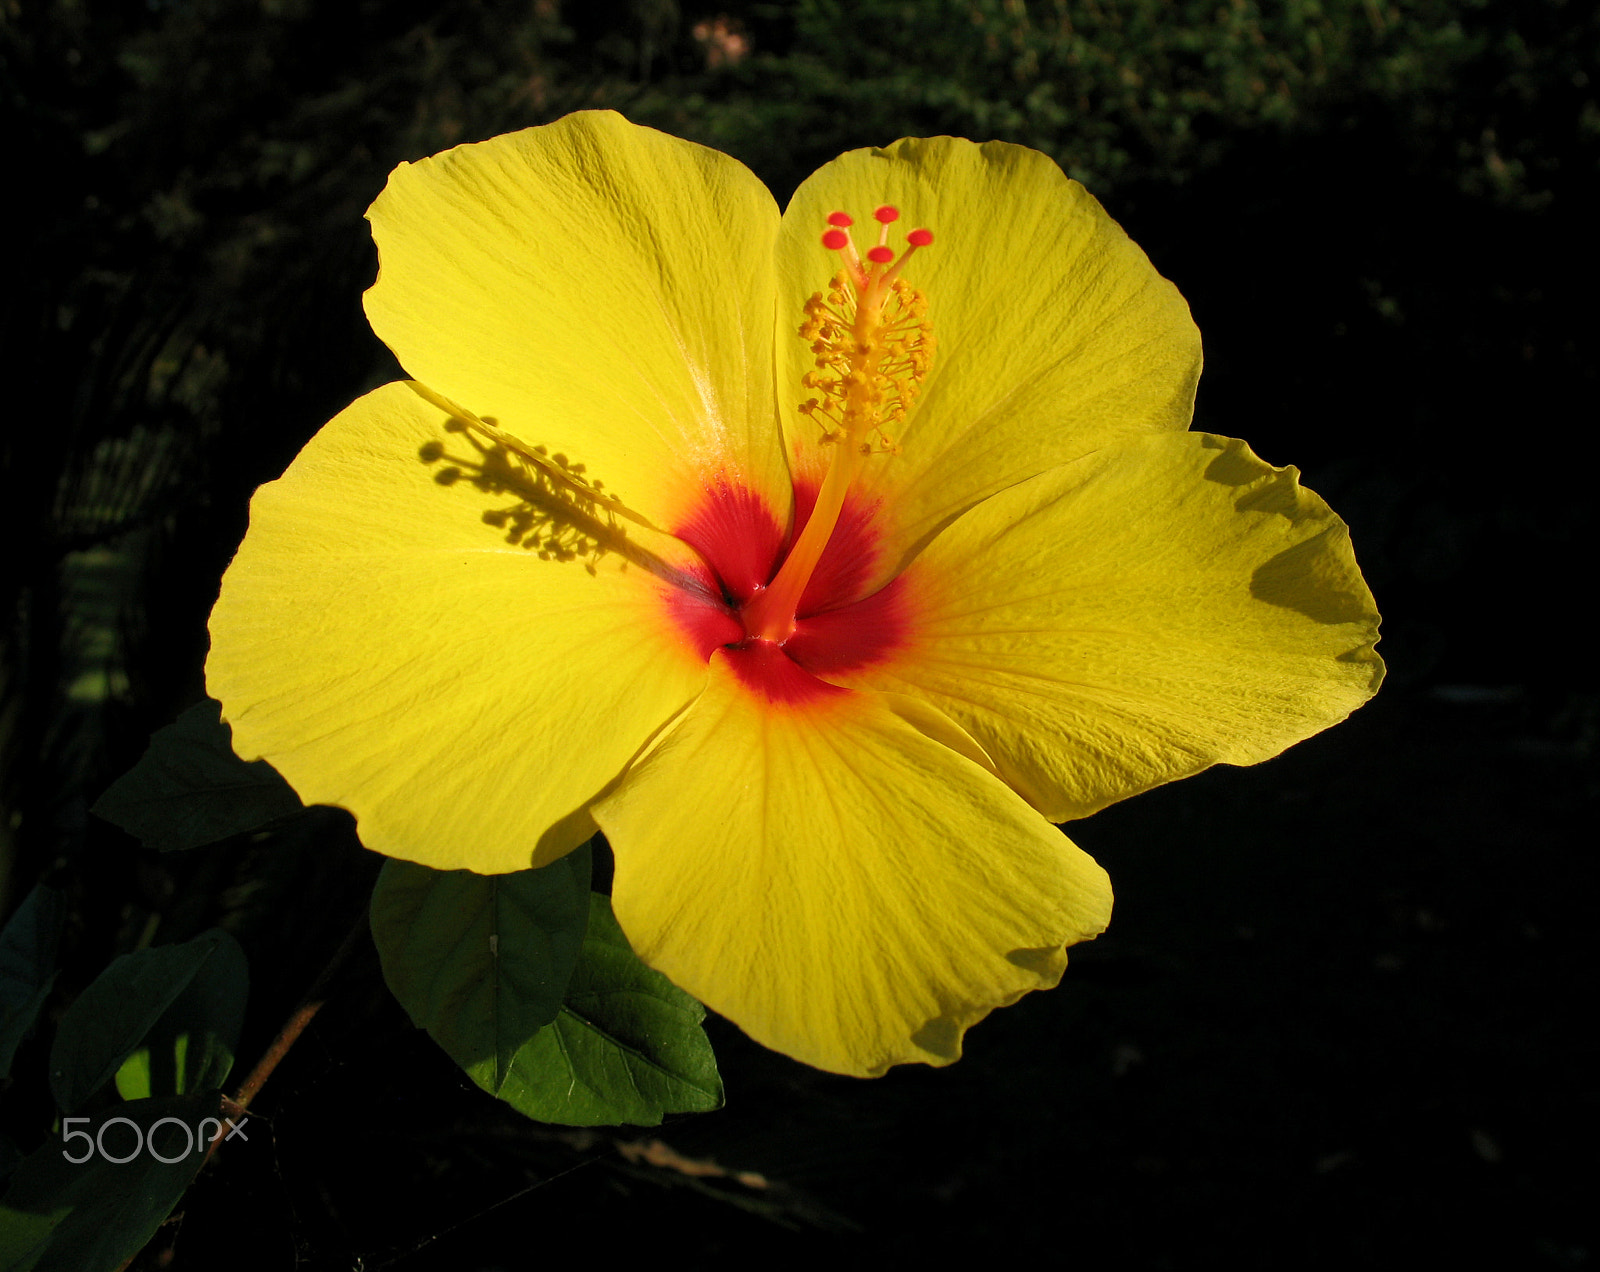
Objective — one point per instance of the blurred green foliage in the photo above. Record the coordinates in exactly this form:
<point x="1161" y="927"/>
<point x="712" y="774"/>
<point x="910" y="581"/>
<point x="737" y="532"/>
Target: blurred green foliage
<point x="1162" y="90"/>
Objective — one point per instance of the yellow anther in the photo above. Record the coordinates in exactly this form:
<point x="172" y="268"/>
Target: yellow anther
<point x="872" y="346"/>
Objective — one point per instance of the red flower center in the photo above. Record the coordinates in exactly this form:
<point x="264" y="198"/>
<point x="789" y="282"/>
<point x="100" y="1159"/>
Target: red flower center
<point x="837" y="629"/>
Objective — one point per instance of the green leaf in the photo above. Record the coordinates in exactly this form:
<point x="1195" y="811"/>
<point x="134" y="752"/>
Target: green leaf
<point x="111" y="1018"/>
<point x="627" y="1046"/>
<point x="481" y="961"/>
<point x="191" y="789"/>
<point x="92" y="1215"/>
<point x="191" y="1046"/>
<point x="27" y="966"/>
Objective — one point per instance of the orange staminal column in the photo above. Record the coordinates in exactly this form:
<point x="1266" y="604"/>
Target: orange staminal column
<point x="873" y="345"/>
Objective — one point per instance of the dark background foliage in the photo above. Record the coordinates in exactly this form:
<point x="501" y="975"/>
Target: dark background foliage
<point x="1337" y="1021"/>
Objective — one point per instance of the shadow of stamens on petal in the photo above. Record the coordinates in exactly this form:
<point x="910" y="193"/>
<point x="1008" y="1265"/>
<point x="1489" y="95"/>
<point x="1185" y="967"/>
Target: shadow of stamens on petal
<point x="556" y="511"/>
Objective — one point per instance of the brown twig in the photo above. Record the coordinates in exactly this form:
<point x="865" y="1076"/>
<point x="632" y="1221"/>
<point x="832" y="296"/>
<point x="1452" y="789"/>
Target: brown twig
<point x="287" y="1036"/>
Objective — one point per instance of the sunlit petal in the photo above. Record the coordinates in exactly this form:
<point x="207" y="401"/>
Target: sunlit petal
<point x="598" y="288"/>
<point x="1162" y="605"/>
<point x="1056" y="336"/>
<point x="838" y="875"/>
<point x="389" y="651"/>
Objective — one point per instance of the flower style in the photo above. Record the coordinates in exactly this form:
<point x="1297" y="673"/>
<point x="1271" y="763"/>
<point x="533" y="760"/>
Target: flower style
<point x="823" y="632"/>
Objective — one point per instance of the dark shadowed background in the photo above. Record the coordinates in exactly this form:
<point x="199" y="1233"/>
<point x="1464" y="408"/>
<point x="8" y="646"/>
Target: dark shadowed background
<point x="1337" y="1019"/>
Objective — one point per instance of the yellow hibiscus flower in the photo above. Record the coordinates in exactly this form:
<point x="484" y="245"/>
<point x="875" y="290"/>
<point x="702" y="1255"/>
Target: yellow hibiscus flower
<point x="822" y="632"/>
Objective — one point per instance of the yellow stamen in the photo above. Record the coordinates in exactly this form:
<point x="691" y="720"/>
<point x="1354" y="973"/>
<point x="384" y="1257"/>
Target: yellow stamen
<point x="873" y="346"/>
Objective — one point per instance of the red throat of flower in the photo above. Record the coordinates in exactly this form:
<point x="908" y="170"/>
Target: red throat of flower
<point x="873" y="344"/>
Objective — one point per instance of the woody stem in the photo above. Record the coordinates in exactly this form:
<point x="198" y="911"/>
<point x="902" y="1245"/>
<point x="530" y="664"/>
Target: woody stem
<point x="287" y="1036"/>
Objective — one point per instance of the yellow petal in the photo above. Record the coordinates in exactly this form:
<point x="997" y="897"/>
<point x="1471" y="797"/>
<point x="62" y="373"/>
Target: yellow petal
<point x="1160" y="606"/>
<point x="389" y="651"/>
<point x="600" y="289"/>
<point x="1056" y="336"/>
<point x="843" y="886"/>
